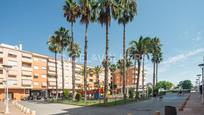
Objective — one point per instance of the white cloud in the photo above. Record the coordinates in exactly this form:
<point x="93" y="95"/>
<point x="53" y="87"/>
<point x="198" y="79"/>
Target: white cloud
<point x="198" y="37"/>
<point x="183" y="56"/>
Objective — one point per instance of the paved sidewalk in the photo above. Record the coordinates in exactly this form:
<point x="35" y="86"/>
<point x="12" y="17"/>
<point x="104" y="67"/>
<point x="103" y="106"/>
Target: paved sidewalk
<point x="193" y="106"/>
<point x="13" y="110"/>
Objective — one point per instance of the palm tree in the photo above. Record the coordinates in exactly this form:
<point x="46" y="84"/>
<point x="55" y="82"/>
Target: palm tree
<point x="74" y="52"/>
<point x="107" y="9"/>
<point x="156" y="57"/>
<point x="71" y="12"/>
<point x="120" y="67"/>
<point x="88" y="14"/>
<point x="127" y="12"/>
<point x="113" y="68"/>
<point x="53" y="47"/>
<point x="97" y="70"/>
<point x="138" y="48"/>
<point x="159" y="59"/>
<point x="63" y="37"/>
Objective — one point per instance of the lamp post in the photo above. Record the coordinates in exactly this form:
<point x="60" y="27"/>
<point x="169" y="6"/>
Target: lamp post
<point x="199" y="75"/>
<point x="6" y="68"/>
<point x="202" y="67"/>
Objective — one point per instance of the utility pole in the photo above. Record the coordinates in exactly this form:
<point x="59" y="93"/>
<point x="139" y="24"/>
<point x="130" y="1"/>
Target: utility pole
<point x="6" y="68"/>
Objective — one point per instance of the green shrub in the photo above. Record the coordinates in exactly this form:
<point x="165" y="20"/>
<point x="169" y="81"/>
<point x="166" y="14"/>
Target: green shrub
<point x="78" y="97"/>
<point x="66" y="93"/>
<point x="131" y="94"/>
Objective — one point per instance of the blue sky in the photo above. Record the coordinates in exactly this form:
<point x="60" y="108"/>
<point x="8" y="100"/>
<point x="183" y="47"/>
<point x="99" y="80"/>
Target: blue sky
<point x="178" y="23"/>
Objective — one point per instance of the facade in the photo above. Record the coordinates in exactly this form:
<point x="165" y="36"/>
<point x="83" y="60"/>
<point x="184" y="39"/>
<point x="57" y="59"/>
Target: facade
<point x="131" y="79"/>
<point x="33" y="74"/>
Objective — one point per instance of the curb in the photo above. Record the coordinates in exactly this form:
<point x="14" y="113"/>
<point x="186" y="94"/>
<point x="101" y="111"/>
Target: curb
<point x="24" y="109"/>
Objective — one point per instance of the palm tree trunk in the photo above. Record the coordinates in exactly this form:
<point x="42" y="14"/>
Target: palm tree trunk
<point x="106" y="64"/>
<point x="73" y="78"/>
<point x="138" y="78"/>
<point x="156" y="73"/>
<point x="85" y="61"/>
<point x="98" y="84"/>
<point x="153" y="78"/>
<point x="135" y="71"/>
<point x="56" y="75"/>
<point x="62" y="63"/>
<point x="143" y="74"/>
<point x="124" y="63"/>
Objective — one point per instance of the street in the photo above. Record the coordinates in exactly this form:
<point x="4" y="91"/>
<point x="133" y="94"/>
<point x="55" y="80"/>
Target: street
<point x="147" y="107"/>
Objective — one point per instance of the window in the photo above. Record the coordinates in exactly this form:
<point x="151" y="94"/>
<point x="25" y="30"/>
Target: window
<point x="1" y="60"/>
<point x="12" y="82"/>
<point x="26" y="65"/>
<point x="91" y="80"/>
<point x="26" y="57"/>
<point x="43" y="76"/>
<point x="12" y="55"/>
<point x="1" y="71"/>
<point x="36" y="76"/>
<point x="12" y="76"/>
<point x="35" y="67"/>
<point x="12" y="63"/>
<point x="35" y="59"/>
<point x="43" y="67"/>
<point x="1" y="52"/>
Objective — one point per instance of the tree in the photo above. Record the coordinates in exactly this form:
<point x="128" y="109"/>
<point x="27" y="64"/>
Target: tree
<point x="107" y="9"/>
<point x="54" y="47"/>
<point x="113" y="68"/>
<point x="88" y="14"/>
<point x="155" y="50"/>
<point x="63" y="40"/>
<point x="165" y="85"/>
<point x="120" y="67"/>
<point x="138" y="50"/>
<point x="186" y="84"/>
<point x="74" y="52"/>
<point x="97" y="70"/>
<point x="127" y="11"/>
<point x="71" y="13"/>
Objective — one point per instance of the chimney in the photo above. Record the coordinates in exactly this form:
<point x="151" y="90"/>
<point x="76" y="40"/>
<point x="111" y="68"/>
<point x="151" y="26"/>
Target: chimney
<point x="20" y="47"/>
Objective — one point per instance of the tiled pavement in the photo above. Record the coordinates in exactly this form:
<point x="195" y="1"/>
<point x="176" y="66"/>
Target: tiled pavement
<point x="193" y="106"/>
<point x="13" y="110"/>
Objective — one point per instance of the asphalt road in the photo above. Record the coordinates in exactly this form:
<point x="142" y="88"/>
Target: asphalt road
<point x="147" y="107"/>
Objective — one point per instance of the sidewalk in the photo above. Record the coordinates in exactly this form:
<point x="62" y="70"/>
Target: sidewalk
<point x="193" y="106"/>
<point x="12" y="110"/>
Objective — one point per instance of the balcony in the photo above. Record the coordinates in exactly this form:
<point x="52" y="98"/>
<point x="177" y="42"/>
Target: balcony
<point x="51" y="73"/>
<point x="1" y="76"/>
<point x="26" y="69"/>
<point x="52" y="79"/>
<point x="51" y="64"/>
<point x="26" y="73"/>
<point x="51" y="68"/>
<point x="27" y="60"/>
<point x="52" y="83"/>
<point x="27" y="77"/>
<point x="26" y="82"/>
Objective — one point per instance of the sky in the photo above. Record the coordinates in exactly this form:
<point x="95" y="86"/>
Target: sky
<point x="178" y="24"/>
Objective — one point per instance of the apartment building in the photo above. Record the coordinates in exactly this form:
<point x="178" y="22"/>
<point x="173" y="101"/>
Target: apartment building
<point x="34" y="74"/>
<point x="131" y="79"/>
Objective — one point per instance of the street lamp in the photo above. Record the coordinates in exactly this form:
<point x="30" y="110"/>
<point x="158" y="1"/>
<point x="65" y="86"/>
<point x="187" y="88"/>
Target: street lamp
<point x="202" y="67"/>
<point x="6" y="68"/>
<point x="199" y="75"/>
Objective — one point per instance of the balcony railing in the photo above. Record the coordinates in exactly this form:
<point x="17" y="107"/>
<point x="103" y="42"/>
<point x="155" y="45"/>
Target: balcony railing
<point x="27" y="73"/>
<point x="27" y="60"/>
<point x="26" y="69"/>
<point x="52" y="79"/>
<point x="26" y="82"/>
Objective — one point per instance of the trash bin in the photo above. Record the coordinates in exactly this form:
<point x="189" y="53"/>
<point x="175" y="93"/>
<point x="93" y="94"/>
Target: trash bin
<point x="170" y="110"/>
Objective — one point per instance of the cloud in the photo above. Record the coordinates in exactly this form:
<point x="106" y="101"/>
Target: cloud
<point x="198" y="37"/>
<point x="183" y="56"/>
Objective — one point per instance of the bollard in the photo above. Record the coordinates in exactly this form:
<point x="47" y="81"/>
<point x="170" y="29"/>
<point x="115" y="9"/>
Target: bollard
<point x="27" y="111"/>
<point x="157" y="113"/>
<point x="24" y="109"/>
<point x="129" y="113"/>
<point x="33" y="112"/>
